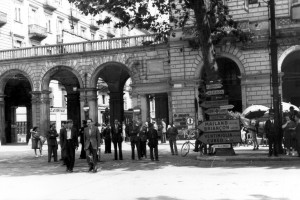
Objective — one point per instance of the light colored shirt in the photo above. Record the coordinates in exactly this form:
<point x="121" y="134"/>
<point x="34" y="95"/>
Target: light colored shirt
<point x="69" y="134"/>
<point x="90" y="131"/>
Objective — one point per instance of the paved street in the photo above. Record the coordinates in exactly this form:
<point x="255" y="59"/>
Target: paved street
<point x="24" y="177"/>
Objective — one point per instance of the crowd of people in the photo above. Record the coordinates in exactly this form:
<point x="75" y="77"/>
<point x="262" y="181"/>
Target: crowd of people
<point x="91" y="136"/>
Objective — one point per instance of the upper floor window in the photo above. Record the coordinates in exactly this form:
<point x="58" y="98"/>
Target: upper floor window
<point x="48" y="26"/>
<point x="92" y="36"/>
<point x="33" y="18"/>
<point x="103" y="99"/>
<point x="18" y="14"/>
<point x="83" y="32"/>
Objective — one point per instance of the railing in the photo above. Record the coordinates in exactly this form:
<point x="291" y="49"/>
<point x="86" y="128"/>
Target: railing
<point x="110" y="44"/>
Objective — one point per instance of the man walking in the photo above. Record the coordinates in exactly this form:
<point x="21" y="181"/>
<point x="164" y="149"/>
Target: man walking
<point x="69" y="145"/>
<point x="81" y="134"/>
<point x="92" y="141"/>
<point x="107" y="138"/>
<point x="153" y="142"/>
<point x="117" y="139"/>
<point x="173" y="132"/>
<point x="52" y="142"/>
<point x="271" y="135"/>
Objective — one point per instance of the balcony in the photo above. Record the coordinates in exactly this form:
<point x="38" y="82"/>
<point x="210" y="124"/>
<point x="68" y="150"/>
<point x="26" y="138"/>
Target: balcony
<point x="3" y="18"/>
<point x="51" y="5"/>
<point x="93" y="25"/>
<point x="74" y="15"/>
<point x="37" y="32"/>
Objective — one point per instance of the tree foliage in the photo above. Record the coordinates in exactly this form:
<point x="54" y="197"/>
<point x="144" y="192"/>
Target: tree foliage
<point x="208" y="20"/>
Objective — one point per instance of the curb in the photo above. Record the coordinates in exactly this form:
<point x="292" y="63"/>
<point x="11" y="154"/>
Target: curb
<point x="245" y="158"/>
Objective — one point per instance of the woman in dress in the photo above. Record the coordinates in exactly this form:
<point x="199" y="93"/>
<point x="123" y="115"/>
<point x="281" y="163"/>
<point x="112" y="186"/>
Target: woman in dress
<point x="287" y="133"/>
<point x="36" y="141"/>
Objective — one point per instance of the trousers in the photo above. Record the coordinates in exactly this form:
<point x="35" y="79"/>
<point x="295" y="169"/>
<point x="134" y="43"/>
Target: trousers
<point x="52" y="149"/>
<point x="70" y="155"/>
<point x="91" y="156"/>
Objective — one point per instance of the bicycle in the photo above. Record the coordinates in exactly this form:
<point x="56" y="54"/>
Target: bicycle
<point x="185" y="149"/>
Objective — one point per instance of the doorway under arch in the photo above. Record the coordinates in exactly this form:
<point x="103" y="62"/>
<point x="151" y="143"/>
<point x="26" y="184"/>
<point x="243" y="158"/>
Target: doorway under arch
<point x="230" y="74"/>
<point x="17" y="91"/>
<point x="291" y="78"/>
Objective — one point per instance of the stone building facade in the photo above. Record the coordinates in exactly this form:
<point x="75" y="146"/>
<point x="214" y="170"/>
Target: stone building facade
<point x="169" y="73"/>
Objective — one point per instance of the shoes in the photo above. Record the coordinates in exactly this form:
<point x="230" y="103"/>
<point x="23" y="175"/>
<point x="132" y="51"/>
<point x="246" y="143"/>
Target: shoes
<point x="90" y="169"/>
<point x="41" y="155"/>
<point x="156" y="160"/>
<point x="36" y="156"/>
<point x="71" y="170"/>
<point x="195" y="150"/>
<point x="95" y="169"/>
<point x="172" y="154"/>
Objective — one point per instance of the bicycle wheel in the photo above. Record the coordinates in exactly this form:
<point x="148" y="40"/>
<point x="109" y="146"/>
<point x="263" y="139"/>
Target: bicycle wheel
<point x="185" y="149"/>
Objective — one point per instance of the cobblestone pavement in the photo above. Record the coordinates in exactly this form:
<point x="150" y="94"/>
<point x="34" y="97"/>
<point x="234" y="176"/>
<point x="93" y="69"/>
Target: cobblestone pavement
<point x="22" y="176"/>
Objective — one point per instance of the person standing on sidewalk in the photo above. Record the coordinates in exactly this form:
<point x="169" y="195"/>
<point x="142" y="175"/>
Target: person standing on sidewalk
<point x="164" y="131"/>
<point x="117" y="139"/>
<point x="92" y="140"/>
<point x="52" y="142"/>
<point x="135" y="139"/>
<point x="172" y="133"/>
<point x="107" y="138"/>
<point x="297" y="129"/>
<point x="153" y="142"/>
<point x="271" y="135"/>
<point x="81" y="134"/>
<point x="36" y="141"/>
<point x="287" y="134"/>
<point x="62" y="151"/>
<point x="69" y="145"/>
<point x="143" y="140"/>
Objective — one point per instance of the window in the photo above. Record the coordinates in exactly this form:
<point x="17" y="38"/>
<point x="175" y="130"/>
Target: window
<point x="18" y="14"/>
<point x="103" y="99"/>
<point x="92" y="36"/>
<point x="83" y="32"/>
<point x="59" y="26"/>
<point x="17" y="44"/>
<point x="33" y="18"/>
<point x="48" y="26"/>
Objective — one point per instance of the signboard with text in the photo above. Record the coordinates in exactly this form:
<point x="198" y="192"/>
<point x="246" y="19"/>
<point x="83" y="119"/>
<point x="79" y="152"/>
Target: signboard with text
<point x="221" y="137"/>
<point x="220" y="125"/>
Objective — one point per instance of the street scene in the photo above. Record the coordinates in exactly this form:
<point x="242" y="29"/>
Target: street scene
<point x="149" y="99"/>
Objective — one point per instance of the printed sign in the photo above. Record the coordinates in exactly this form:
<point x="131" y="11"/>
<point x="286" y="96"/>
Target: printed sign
<point x="215" y="111"/>
<point x="215" y="92"/>
<point x="220" y="125"/>
<point x="226" y="107"/>
<point x="214" y="86"/>
<point x="221" y="137"/>
<point x="190" y="121"/>
<point x="213" y="104"/>
<point x="58" y="110"/>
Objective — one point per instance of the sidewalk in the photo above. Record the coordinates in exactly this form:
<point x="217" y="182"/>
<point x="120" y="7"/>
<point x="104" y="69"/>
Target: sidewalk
<point x="244" y="153"/>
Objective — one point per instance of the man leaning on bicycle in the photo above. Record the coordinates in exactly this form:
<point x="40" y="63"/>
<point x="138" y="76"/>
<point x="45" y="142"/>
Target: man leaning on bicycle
<point x="198" y="144"/>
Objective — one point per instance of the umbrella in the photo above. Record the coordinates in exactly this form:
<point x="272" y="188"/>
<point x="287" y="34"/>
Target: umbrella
<point x="254" y="111"/>
<point x="286" y="107"/>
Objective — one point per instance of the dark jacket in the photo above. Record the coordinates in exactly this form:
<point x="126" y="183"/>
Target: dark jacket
<point x="269" y="128"/>
<point x="172" y="132"/>
<point x="74" y="138"/>
<point x="133" y="133"/>
<point x="116" y="133"/>
<point x="152" y="137"/>
<point x="143" y="134"/>
<point x="107" y="133"/>
<point x="51" y="136"/>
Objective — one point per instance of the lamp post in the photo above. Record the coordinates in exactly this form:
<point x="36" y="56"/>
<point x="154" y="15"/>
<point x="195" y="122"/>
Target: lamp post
<point x="274" y="64"/>
<point x="86" y="107"/>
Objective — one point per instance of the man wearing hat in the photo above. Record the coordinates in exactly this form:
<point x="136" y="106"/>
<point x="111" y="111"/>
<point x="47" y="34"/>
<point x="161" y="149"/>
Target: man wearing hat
<point x="271" y="134"/>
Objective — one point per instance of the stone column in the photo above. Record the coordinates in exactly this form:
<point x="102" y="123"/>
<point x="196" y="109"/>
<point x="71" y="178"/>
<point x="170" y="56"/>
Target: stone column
<point x="2" y="119"/>
<point x="45" y="112"/>
<point x="35" y="108"/>
<point x="29" y="118"/>
<point x="83" y="114"/>
<point x="73" y="108"/>
<point x="93" y="104"/>
<point x="116" y="106"/>
<point x="13" y="126"/>
<point x="144" y="108"/>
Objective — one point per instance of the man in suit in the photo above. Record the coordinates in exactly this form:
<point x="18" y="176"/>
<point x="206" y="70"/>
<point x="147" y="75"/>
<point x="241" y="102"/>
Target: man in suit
<point x="117" y="139"/>
<point x="69" y="144"/>
<point x="81" y="134"/>
<point x="92" y="141"/>
<point x="153" y="142"/>
<point x="271" y="135"/>
<point x="52" y="142"/>
<point x="135" y="139"/>
<point x="107" y="138"/>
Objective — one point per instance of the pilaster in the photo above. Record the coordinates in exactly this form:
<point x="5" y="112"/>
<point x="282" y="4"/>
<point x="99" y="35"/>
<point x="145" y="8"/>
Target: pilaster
<point x="2" y="119"/>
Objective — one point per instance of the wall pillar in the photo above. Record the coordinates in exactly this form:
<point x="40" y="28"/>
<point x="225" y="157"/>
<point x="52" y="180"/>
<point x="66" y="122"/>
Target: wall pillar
<point x="45" y="112"/>
<point x="116" y="106"/>
<point x="35" y="108"/>
<point x="28" y="118"/>
<point x="73" y="108"/>
<point x="2" y="119"/>
<point x="144" y="108"/>
<point x="13" y="126"/>
<point x="93" y="104"/>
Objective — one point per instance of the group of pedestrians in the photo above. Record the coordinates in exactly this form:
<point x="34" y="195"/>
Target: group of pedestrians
<point x="91" y="137"/>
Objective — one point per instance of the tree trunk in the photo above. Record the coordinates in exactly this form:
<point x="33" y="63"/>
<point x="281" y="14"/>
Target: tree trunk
<point x="205" y="40"/>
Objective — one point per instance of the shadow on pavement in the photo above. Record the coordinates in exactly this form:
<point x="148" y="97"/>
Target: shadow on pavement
<point x="18" y="162"/>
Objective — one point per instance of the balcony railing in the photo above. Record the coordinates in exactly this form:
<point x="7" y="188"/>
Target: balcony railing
<point x="50" y="5"/>
<point x="99" y="45"/>
<point x="37" y="32"/>
<point x="3" y="18"/>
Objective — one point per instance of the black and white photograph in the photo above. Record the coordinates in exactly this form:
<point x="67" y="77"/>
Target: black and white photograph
<point x="149" y="99"/>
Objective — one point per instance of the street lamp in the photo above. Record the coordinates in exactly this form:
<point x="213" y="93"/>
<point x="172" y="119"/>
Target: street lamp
<point x="86" y="107"/>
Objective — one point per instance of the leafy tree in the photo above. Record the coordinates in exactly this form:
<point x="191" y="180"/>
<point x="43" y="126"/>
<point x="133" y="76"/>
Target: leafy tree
<point x="208" y="20"/>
